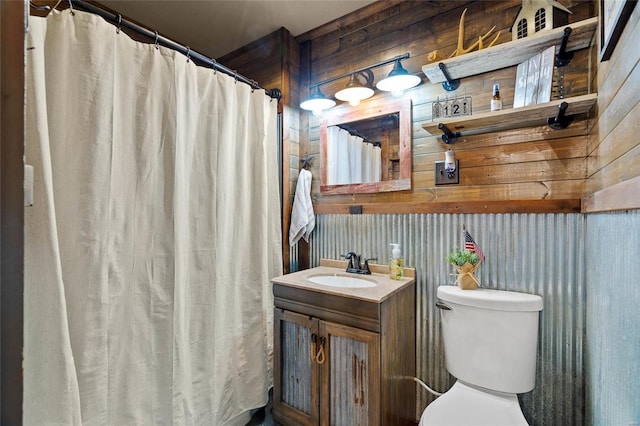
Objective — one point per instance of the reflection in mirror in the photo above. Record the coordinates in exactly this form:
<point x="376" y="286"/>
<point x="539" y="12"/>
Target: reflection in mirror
<point x="366" y="149"/>
<point x="352" y="157"/>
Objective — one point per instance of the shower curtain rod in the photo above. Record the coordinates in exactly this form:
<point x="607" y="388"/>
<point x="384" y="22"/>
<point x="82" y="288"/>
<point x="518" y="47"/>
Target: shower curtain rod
<point x="116" y="19"/>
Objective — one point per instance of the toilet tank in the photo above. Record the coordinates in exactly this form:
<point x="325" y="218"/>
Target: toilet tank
<point x="491" y="337"/>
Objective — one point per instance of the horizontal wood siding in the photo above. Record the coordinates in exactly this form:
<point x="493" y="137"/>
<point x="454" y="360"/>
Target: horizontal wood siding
<point x="614" y="145"/>
<point x="528" y="164"/>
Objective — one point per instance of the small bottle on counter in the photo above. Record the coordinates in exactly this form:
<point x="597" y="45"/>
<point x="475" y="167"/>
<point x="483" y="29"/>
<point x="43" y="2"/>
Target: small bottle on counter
<point x="396" y="264"/>
<point x="496" y="102"/>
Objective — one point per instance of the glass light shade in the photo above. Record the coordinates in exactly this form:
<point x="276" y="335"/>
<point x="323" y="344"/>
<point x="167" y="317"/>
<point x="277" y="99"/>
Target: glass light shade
<point x="354" y="92"/>
<point x="317" y="102"/>
<point x="398" y="80"/>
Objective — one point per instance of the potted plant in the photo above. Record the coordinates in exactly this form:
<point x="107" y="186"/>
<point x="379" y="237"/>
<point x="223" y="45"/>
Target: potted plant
<point x="466" y="262"/>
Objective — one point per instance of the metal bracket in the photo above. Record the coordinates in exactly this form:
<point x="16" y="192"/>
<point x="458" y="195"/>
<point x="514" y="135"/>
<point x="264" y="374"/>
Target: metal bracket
<point x="448" y="136"/>
<point x="450" y="85"/>
<point x="561" y="121"/>
<point x="563" y="57"/>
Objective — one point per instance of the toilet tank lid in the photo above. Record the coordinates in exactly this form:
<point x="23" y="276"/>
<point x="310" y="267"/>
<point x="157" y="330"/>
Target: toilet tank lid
<point x="499" y="300"/>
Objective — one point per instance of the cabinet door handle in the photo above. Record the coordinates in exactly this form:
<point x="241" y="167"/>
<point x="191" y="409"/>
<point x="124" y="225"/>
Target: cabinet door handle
<point x="320" y="358"/>
<point x="312" y="351"/>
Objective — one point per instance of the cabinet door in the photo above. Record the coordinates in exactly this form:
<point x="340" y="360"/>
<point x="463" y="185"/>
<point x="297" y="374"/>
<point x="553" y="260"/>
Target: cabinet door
<point x="350" y="376"/>
<point x="295" y="399"/>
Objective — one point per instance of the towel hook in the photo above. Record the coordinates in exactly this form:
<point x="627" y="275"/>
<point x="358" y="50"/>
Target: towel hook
<point x="306" y="161"/>
<point x="119" y="24"/>
<point x="156" y="41"/>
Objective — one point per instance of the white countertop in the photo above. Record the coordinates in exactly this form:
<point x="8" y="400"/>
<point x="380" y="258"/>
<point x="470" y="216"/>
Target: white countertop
<point x="384" y="287"/>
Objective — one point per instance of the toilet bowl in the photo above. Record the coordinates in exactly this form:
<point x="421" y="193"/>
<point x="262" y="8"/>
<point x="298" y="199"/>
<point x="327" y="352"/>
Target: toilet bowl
<point x="490" y="345"/>
<point x="468" y="405"/>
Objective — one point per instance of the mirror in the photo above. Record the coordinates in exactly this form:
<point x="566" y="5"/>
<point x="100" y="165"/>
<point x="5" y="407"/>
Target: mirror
<point x="366" y="149"/>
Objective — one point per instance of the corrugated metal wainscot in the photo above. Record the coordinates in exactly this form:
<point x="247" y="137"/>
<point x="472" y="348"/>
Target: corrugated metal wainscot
<point x="613" y="318"/>
<point x="533" y="253"/>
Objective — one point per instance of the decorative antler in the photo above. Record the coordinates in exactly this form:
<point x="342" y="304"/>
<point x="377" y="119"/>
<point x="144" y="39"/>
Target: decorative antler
<point x="481" y="46"/>
<point x="461" y="50"/>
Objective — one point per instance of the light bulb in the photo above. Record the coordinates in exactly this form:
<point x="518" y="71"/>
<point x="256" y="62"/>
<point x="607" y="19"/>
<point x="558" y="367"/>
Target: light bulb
<point x="398" y="80"/>
<point x="317" y="101"/>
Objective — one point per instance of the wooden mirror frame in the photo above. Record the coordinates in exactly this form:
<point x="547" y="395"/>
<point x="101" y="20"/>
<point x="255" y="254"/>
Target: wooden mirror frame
<point x="362" y="112"/>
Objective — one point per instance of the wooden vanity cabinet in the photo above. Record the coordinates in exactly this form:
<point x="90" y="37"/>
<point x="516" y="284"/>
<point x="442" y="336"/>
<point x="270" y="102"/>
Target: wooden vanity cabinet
<point x="369" y="358"/>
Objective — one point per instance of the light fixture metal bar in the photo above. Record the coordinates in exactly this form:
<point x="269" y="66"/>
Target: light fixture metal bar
<point x="347" y="74"/>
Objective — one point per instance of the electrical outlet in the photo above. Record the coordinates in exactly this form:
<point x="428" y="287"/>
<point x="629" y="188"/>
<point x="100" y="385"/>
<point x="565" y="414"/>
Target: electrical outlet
<point x="442" y="177"/>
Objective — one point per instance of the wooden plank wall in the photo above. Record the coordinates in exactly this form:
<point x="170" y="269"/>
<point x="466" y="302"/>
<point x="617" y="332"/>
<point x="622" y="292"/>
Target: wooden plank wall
<point x="527" y="170"/>
<point x="614" y="146"/>
<point x="12" y="83"/>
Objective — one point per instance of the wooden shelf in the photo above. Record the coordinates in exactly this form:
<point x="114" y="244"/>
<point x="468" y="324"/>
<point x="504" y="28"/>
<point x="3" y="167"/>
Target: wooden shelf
<point x="512" y="53"/>
<point x="513" y="118"/>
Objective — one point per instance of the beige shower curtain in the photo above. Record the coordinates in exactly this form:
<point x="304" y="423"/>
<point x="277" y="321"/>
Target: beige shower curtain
<point x="153" y="236"/>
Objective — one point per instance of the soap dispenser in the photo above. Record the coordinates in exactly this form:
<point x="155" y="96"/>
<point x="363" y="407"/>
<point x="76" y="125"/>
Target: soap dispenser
<point x="396" y="264"/>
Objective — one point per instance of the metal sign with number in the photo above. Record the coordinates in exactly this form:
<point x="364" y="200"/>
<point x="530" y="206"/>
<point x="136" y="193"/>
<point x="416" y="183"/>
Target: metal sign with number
<point x="451" y="107"/>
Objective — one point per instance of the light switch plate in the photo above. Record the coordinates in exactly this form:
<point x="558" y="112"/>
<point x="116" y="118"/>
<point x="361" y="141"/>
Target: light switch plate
<point x="442" y="177"/>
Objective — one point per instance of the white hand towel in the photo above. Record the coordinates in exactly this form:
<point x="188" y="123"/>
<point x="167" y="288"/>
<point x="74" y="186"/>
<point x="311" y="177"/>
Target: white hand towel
<point x="303" y="219"/>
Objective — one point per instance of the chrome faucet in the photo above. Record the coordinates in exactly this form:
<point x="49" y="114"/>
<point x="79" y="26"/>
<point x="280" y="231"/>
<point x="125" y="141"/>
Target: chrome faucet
<point x="354" y="266"/>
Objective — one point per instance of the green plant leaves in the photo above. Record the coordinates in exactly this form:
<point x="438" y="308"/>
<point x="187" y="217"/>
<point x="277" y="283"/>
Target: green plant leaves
<point x="460" y="257"/>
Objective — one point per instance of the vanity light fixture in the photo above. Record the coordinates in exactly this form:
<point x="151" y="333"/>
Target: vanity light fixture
<point x="356" y="90"/>
<point x="398" y="80"/>
<point x="317" y="102"/>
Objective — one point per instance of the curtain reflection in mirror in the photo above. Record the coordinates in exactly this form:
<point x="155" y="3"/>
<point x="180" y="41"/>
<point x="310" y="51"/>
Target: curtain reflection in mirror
<point x="351" y="159"/>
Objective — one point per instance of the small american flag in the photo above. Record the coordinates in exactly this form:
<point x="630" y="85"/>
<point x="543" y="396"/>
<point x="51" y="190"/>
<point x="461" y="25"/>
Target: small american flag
<point x="471" y="245"/>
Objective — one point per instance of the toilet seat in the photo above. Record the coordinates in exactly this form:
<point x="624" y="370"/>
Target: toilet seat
<point x="465" y="404"/>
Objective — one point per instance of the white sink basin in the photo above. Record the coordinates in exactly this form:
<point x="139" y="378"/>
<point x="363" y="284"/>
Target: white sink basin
<point x="344" y="281"/>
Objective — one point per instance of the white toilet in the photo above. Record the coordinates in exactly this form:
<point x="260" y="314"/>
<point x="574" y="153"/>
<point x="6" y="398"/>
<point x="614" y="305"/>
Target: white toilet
<point x="490" y="343"/>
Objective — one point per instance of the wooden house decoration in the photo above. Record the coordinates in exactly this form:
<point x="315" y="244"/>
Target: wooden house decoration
<point x="538" y="15"/>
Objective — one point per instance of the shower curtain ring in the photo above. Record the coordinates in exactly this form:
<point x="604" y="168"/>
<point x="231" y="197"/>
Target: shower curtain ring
<point x="156" y="41"/>
<point x="119" y="24"/>
<point x="214" y="65"/>
<point x="71" y="8"/>
<point x="188" y="53"/>
<point x="235" y="76"/>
